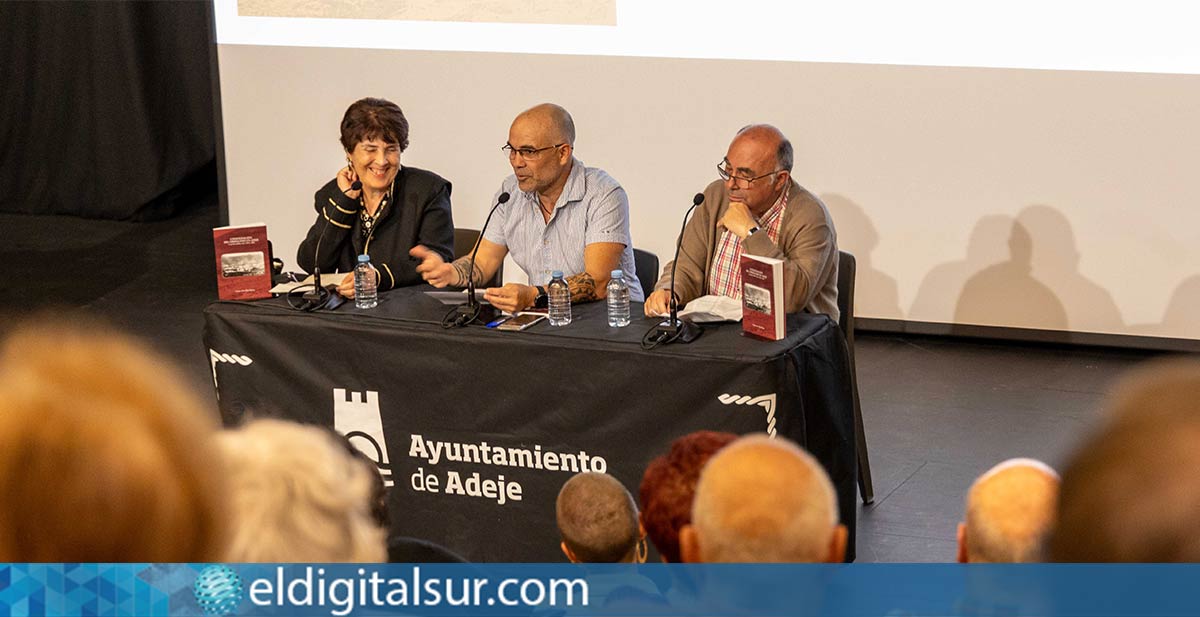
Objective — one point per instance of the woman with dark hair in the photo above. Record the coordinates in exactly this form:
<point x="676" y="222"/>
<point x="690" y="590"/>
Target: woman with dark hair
<point x="376" y="206"/>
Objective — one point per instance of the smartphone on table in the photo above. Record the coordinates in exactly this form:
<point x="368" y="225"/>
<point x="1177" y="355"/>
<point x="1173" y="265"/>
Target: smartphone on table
<point x="520" y="321"/>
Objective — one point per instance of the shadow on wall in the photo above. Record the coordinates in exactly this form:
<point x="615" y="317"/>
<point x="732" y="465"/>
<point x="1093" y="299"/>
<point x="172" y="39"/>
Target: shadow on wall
<point x="1019" y="272"/>
<point x="875" y="293"/>
<point x="939" y="291"/>
<point x="1008" y="294"/>
<point x="1181" y="319"/>
<point x="1056" y="257"/>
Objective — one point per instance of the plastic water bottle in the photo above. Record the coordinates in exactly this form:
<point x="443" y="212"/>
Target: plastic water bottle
<point x="365" y="295"/>
<point x="559" y="294"/>
<point x="618" y="300"/>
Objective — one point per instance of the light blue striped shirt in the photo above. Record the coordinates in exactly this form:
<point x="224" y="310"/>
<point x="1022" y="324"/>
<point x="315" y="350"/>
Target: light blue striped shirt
<point x="592" y="208"/>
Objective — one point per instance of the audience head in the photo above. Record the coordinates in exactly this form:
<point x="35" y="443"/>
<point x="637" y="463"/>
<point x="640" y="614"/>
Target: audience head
<point x="105" y="454"/>
<point x="1130" y="493"/>
<point x="763" y="500"/>
<point x="758" y="167"/>
<point x="540" y="144"/>
<point x="669" y="484"/>
<point x="598" y="521"/>
<point x="1010" y="509"/>
<point x="298" y="495"/>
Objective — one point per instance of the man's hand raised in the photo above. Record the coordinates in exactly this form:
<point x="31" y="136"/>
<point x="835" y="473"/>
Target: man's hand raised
<point x="434" y="269"/>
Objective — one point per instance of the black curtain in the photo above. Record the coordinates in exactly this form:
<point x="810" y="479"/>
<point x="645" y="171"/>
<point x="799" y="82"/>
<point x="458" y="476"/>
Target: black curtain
<point x="107" y="106"/>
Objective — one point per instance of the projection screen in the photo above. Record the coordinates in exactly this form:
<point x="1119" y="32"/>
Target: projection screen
<point x="1019" y="165"/>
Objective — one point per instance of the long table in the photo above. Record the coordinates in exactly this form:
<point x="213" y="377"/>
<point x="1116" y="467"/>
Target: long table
<point x="476" y="429"/>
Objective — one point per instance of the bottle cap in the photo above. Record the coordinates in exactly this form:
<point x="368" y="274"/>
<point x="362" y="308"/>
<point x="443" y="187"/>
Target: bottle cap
<point x="557" y="274"/>
<point x="364" y="258"/>
<point x="617" y="274"/>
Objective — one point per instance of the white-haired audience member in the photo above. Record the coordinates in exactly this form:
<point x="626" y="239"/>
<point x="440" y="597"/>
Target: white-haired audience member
<point x="763" y="500"/>
<point x="297" y="495"/>
<point x="1131" y="492"/>
<point x="598" y="521"/>
<point x="1010" y="509"/>
<point x="105" y="453"/>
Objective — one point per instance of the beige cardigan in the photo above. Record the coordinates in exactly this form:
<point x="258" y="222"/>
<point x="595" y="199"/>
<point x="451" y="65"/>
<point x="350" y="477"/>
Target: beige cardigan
<point x="807" y="244"/>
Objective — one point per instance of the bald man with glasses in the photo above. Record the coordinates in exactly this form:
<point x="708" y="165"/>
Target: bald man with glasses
<point x="562" y="216"/>
<point x="757" y="209"/>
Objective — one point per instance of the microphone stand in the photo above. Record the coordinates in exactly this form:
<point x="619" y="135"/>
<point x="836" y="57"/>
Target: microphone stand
<point x="674" y="329"/>
<point x="321" y="297"/>
<point x="473" y="310"/>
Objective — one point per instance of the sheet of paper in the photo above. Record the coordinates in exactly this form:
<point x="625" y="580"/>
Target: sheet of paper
<point x="711" y="309"/>
<point x="326" y="279"/>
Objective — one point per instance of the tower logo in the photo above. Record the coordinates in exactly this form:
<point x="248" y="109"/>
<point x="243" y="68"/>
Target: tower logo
<point x="356" y="415"/>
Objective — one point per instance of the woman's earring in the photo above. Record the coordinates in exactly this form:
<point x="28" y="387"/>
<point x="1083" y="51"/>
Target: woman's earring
<point x="643" y="550"/>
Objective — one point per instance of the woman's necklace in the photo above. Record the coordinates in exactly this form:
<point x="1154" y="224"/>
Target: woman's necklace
<point x="368" y="220"/>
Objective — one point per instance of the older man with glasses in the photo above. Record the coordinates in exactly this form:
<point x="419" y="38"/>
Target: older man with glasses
<point x="562" y="216"/>
<point x="757" y="209"/>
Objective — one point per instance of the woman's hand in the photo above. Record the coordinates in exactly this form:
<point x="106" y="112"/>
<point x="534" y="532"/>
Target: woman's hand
<point x="345" y="179"/>
<point x="346" y="287"/>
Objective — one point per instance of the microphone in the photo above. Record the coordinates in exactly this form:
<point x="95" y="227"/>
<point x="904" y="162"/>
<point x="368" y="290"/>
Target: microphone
<point x="314" y="295"/>
<point x="674" y="329"/>
<point x="472" y="310"/>
<point x="318" y="294"/>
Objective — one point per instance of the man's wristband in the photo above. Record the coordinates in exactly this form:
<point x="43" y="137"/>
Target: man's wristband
<point x="752" y="231"/>
<point x="542" y="300"/>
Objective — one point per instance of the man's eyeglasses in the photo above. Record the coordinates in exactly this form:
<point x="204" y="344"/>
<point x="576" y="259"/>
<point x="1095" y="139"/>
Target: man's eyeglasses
<point x="742" y="182"/>
<point x="528" y="154"/>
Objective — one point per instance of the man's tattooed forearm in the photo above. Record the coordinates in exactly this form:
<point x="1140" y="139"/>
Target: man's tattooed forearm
<point x="583" y="287"/>
<point x="462" y="265"/>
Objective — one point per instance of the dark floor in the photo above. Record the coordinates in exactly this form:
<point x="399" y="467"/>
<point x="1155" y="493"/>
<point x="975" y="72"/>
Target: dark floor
<point x="937" y="411"/>
<point x="152" y="279"/>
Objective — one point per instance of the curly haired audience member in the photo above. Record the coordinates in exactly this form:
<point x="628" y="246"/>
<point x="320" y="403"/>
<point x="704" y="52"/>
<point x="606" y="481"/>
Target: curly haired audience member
<point x="297" y="495"/>
<point x="598" y="521"/>
<point x="1129" y="493"/>
<point x="1010" y="509"/>
<point x="105" y="455"/>
<point x="669" y="484"/>
<point x="763" y="500"/>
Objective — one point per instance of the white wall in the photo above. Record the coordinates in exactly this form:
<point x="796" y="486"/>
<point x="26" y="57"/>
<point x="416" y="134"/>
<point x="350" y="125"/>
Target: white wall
<point x="1010" y="197"/>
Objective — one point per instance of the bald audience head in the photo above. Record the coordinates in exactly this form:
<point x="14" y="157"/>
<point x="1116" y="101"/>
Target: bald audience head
<point x="1010" y="509"/>
<point x="598" y="520"/>
<point x="1131" y="493"/>
<point x="762" y="500"/>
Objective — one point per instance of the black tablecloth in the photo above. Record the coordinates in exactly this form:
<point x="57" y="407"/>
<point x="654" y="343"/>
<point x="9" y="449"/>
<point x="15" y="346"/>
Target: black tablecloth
<point x="522" y="409"/>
